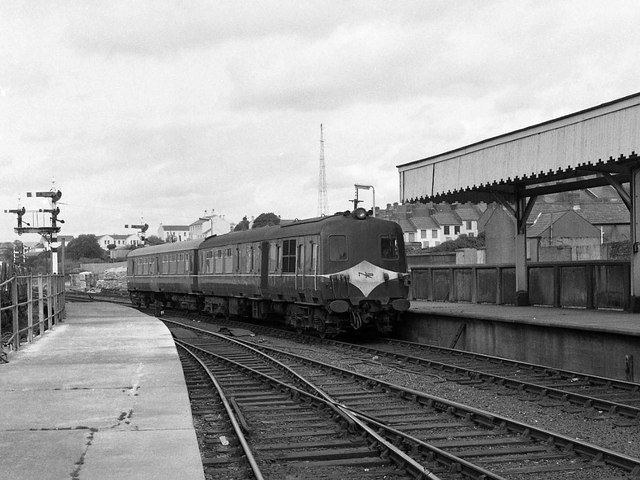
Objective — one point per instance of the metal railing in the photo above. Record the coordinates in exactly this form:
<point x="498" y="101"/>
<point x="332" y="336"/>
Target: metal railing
<point x="584" y="284"/>
<point x="29" y="305"/>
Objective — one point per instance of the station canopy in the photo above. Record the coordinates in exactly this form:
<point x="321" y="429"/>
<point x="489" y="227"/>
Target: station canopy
<point x="593" y="147"/>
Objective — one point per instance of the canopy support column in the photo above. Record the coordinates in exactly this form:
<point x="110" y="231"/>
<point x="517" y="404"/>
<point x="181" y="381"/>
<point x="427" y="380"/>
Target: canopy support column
<point x="634" y="301"/>
<point x="521" y="213"/>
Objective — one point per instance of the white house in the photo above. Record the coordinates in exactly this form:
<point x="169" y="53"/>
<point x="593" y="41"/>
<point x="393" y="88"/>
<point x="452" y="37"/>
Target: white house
<point x="118" y="240"/>
<point x="173" y="233"/>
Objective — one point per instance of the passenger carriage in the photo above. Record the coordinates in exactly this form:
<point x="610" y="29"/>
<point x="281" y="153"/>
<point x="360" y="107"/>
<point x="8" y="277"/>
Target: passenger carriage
<point x="328" y="274"/>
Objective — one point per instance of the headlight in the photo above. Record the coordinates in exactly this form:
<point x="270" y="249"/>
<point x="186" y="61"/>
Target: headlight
<point x="360" y="213"/>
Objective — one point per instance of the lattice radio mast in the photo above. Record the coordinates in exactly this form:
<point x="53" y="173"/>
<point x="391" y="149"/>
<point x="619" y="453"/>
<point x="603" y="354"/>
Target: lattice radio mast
<point x="322" y="179"/>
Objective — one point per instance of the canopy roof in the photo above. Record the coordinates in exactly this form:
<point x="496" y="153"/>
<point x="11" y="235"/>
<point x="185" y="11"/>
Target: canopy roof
<point x="592" y="147"/>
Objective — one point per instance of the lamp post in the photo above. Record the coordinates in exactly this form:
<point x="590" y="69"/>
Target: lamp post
<point x="368" y="187"/>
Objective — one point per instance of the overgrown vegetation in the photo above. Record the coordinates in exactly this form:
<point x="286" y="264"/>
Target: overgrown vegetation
<point x="463" y="241"/>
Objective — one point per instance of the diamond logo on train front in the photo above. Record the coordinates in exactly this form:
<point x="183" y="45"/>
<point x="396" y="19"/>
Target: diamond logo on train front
<point x="366" y="276"/>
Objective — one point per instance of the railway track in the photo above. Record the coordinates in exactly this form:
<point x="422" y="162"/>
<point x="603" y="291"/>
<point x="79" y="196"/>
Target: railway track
<point x="77" y="296"/>
<point x="576" y="391"/>
<point x="589" y="391"/>
<point x="453" y="440"/>
<point x="285" y="431"/>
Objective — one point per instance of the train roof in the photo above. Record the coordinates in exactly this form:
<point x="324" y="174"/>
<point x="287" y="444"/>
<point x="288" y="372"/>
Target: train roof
<point x="310" y="226"/>
<point x="166" y="248"/>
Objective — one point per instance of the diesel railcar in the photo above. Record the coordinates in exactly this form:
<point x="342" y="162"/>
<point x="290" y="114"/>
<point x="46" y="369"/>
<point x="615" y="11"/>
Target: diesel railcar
<point x="330" y="274"/>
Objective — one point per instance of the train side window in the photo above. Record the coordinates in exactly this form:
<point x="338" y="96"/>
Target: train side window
<point x="251" y="259"/>
<point x="237" y="259"/>
<point x="288" y="256"/>
<point x="218" y="261"/>
<point x="301" y="256"/>
<point x="337" y="248"/>
<point x="389" y="247"/>
<point x="276" y="257"/>
<point x="208" y="259"/>
<point x="313" y="255"/>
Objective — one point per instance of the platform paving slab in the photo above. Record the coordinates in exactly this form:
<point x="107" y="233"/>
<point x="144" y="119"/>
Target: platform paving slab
<point x="101" y="396"/>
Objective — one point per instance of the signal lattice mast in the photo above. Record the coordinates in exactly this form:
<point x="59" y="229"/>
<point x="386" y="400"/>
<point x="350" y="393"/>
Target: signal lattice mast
<point x="322" y="179"/>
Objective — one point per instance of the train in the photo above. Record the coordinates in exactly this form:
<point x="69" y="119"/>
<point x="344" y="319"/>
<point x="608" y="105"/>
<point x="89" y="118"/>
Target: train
<point x="329" y="275"/>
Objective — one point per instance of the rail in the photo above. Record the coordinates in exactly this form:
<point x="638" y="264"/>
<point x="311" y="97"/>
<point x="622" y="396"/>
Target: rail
<point x="601" y="284"/>
<point x="29" y="305"/>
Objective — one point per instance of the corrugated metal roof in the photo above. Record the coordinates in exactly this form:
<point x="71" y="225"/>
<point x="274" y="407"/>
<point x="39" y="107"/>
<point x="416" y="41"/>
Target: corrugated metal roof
<point x="542" y="223"/>
<point x="602" y="135"/>
<point x="601" y="213"/>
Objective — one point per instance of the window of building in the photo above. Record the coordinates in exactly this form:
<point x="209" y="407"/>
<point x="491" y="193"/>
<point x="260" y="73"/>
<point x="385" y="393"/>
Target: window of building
<point x="337" y="248"/>
<point x="456" y="230"/>
<point x="434" y="233"/>
<point x="423" y="233"/>
<point x="412" y="237"/>
<point x="389" y="247"/>
<point x="447" y="229"/>
<point x="288" y="256"/>
<point x="469" y="225"/>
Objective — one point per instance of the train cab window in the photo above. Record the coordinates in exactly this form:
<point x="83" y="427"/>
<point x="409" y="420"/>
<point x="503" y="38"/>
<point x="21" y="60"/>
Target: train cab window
<point x="337" y="248"/>
<point x="288" y="256"/>
<point x="389" y="247"/>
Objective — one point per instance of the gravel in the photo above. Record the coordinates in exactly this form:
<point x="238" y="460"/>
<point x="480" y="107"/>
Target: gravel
<point x="591" y="426"/>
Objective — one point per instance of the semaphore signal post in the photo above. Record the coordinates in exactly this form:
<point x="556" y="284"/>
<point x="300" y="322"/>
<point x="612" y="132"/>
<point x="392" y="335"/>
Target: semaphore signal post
<point x="50" y="232"/>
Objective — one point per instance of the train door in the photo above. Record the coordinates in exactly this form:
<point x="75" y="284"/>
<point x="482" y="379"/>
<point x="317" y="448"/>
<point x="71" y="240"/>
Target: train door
<point x="264" y="266"/>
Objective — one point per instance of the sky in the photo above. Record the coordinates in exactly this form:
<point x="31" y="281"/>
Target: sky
<point x="153" y="111"/>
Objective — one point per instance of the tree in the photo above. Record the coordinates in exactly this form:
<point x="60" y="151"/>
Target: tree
<point x="463" y="241"/>
<point x="266" y="220"/>
<point x="6" y="252"/>
<point x="85" y="246"/>
<point x="154" y="240"/>
<point x="242" y="225"/>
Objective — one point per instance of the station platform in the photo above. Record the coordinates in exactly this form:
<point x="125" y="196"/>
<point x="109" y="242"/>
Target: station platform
<point x="599" y="342"/>
<point x="101" y="396"/>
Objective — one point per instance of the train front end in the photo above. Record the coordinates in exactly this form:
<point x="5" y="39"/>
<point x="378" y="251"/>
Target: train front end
<point x="365" y="275"/>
